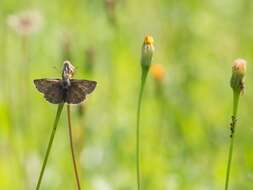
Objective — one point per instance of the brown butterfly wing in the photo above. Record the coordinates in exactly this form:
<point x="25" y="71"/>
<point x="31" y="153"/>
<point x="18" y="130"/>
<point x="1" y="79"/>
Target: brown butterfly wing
<point x="51" y="88"/>
<point x="78" y="90"/>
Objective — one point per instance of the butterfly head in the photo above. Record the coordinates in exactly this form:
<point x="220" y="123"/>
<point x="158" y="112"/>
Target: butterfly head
<point x="68" y="70"/>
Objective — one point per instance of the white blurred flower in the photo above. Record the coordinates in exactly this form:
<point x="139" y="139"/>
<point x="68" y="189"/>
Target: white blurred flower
<point x="99" y="183"/>
<point x="171" y="183"/>
<point x="52" y="177"/>
<point x="32" y="167"/>
<point x="92" y="156"/>
<point x="26" y="22"/>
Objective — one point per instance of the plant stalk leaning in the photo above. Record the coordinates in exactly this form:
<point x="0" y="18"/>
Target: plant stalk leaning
<point x="146" y="58"/>
<point x="57" y="117"/>
<point x="237" y="84"/>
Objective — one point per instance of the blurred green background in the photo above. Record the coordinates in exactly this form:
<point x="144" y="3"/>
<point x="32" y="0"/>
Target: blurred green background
<point x="185" y="114"/>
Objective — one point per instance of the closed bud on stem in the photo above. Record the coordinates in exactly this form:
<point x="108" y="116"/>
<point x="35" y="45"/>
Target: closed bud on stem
<point x="147" y="52"/>
<point x="238" y="73"/>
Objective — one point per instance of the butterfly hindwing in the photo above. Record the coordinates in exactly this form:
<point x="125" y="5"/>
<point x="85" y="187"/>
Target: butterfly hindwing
<point x="51" y="88"/>
<point x="86" y="85"/>
<point x="78" y="90"/>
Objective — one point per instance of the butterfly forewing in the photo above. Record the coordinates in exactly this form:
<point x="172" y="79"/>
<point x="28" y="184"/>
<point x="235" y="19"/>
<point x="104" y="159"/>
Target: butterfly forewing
<point x="78" y="90"/>
<point x="43" y="84"/>
<point x="51" y="88"/>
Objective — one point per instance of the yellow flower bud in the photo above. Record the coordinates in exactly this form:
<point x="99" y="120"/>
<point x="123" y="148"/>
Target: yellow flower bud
<point x="148" y="40"/>
<point x="147" y="51"/>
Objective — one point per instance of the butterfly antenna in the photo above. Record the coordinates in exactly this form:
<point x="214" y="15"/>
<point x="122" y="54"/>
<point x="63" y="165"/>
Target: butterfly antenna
<point x="76" y="70"/>
<point x="57" y="69"/>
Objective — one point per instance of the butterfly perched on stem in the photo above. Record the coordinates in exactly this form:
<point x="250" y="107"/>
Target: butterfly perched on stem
<point x="71" y="91"/>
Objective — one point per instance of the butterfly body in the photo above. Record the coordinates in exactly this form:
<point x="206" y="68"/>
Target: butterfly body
<point x="65" y="87"/>
<point x="66" y="84"/>
<point x="71" y="91"/>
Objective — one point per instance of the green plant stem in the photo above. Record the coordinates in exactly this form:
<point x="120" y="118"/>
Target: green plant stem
<point x="143" y="80"/>
<point x="25" y="78"/>
<point x="72" y="148"/>
<point x="236" y="96"/>
<point x="57" y="117"/>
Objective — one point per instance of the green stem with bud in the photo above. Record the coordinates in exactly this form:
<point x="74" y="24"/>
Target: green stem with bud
<point x="56" y="121"/>
<point x="236" y="96"/>
<point x="143" y="80"/>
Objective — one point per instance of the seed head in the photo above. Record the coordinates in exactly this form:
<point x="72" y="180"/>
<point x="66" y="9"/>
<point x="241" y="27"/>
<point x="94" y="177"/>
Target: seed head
<point x="25" y="23"/>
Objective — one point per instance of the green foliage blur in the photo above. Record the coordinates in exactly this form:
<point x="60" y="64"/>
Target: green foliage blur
<point x="185" y="114"/>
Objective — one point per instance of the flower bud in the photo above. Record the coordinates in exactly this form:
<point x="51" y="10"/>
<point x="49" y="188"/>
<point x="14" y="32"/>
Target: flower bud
<point x="147" y="52"/>
<point x="238" y="73"/>
<point x="157" y="72"/>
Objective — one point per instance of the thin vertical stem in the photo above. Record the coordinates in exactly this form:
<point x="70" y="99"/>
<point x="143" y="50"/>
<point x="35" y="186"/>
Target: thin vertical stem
<point x="232" y="128"/>
<point x="72" y="148"/>
<point x="229" y="161"/>
<point x="143" y="79"/>
<point x="57" y="117"/>
<point x="24" y="75"/>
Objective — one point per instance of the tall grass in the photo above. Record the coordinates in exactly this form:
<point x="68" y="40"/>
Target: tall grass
<point x="57" y="117"/>
<point x="72" y="148"/>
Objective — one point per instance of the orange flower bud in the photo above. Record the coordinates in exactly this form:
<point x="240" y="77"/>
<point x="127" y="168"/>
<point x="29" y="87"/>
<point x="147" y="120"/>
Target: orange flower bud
<point x="157" y="72"/>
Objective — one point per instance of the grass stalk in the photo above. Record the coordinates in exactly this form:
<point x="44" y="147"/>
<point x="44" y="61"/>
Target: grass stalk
<point x="25" y="78"/>
<point x="138" y="172"/>
<point x="236" y="96"/>
<point x="56" y="121"/>
<point x="72" y="148"/>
